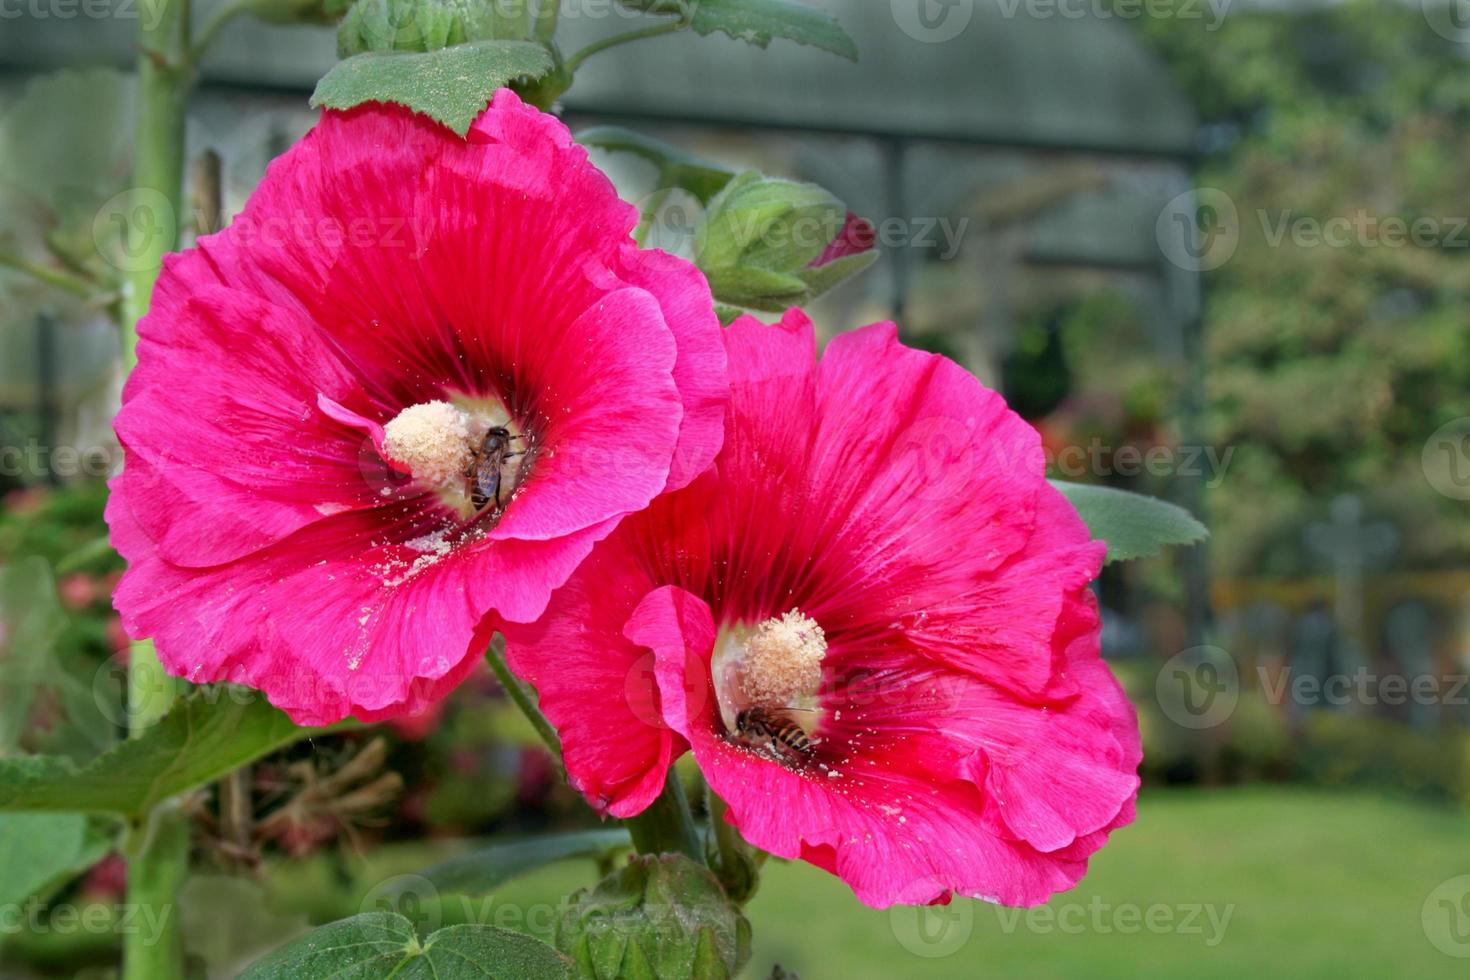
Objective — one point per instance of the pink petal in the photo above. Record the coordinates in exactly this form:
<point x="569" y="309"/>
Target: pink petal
<point x="373" y="633"/>
<point x="857" y="236"/>
<point x="223" y="409"/>
<point x="383" y="263"/>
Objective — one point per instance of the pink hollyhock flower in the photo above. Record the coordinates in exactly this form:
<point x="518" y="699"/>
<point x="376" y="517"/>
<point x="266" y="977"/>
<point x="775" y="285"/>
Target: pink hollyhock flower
<point x="870" y="622"/>
<point x="413" y="382"/>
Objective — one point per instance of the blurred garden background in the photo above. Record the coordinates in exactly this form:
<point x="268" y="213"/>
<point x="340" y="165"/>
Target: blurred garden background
<point x="1215" y="251"/>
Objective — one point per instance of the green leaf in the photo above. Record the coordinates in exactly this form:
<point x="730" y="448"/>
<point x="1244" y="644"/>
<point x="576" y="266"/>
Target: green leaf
<point x="759" y="21"/>
<point x="384" y="944"/>
<point x="39" y="852"/>
<point x="1134" y="526"/>
<point x="451" y="86"/>
<point x="482" y="871"/>
<point x="202" y="738"/>
<point x="677" y="168"/>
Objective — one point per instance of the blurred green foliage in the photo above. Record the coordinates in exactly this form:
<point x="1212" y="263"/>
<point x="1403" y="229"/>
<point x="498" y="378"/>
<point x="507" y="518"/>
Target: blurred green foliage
<point x="1331" y="363"/>
<point x="1341" y="750"/>
<point x="66" y="692"/>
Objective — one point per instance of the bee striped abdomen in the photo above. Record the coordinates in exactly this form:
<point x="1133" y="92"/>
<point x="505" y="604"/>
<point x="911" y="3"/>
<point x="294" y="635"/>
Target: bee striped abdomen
<point x="773" y="727"/>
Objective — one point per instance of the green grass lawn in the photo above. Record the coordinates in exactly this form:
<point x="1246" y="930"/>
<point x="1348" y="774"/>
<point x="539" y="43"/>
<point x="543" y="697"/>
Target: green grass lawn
<point x="1314" y="885"/>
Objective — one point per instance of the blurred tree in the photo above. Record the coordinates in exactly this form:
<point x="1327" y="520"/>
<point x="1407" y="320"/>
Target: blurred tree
<point x="1337" y="337"/>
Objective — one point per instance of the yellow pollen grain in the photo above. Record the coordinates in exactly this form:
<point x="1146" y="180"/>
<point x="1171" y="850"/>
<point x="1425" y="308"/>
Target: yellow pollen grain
<point x="433" y="439"/>
<point x="783" y="659"/>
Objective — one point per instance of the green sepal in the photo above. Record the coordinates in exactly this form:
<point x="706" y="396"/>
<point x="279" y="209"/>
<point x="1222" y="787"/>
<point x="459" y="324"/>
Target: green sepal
<point x="427" y="25"/>
<point x="823" y="278"/>
<point x="756" y="289"/>
<point x="769" y="223"/>
<point x="650" y="918"/>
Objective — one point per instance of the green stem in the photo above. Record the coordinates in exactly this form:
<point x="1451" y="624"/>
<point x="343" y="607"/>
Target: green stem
<point x="61" y="279"/>
<point x="597" y="47"/>
<point x="164" y="78"/>
<point x="547" y="12"/>
<point x="734" y="861"/>
<point x="158" y="861"/>
<point x="667" y="826"/>
<point x="522" y="697"/>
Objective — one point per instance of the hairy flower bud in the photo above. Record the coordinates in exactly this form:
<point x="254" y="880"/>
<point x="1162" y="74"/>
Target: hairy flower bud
<point x="769" y="244"/>
<point x="661" y="916"/>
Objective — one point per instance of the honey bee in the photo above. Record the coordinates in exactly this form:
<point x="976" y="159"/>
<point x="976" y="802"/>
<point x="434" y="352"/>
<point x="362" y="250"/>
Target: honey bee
<point x="485" y="469"/>
<point x="776" y="728"/>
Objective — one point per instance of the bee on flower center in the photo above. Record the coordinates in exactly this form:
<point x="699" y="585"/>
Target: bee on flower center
<point x="776" y="729"/>
<point x="487" y="465"/>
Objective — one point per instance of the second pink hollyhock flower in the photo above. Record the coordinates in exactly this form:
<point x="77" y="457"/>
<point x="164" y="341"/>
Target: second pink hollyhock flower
<point x="870" y="623"/>
<point x="414" y="382"/>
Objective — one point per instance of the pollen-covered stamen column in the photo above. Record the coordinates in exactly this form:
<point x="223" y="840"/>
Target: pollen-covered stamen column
<point x="464" y="456"/>
<point x="768" y="679"/>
